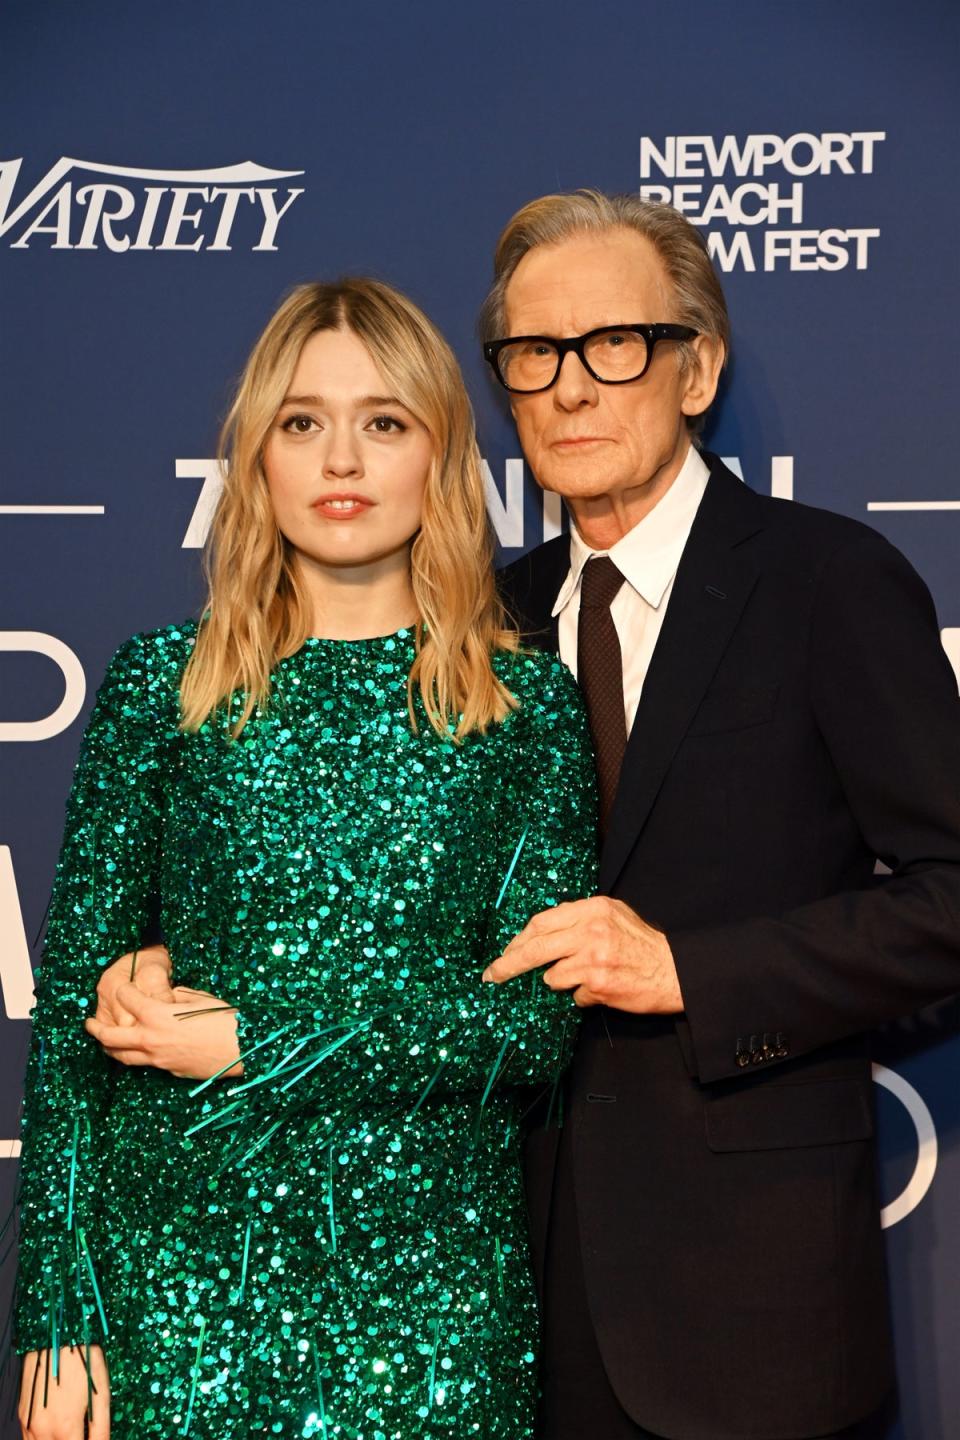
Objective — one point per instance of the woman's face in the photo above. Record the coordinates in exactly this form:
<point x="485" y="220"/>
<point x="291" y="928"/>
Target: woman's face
<point x="346" y="463"/>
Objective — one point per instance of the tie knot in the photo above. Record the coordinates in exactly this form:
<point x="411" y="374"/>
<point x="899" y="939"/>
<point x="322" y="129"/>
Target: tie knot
<point x="599" y="583"/>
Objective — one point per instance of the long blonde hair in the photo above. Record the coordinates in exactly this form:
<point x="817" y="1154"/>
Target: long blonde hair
<point x="257" y="610"/>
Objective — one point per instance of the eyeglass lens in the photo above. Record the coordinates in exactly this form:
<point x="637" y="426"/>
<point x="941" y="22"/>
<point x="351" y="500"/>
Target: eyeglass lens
<point x="610" y="354"/>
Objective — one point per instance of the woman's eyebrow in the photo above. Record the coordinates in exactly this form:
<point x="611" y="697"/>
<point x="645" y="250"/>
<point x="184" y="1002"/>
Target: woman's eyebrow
<point x="367" y="400"/>
<point x="361" y="403"/>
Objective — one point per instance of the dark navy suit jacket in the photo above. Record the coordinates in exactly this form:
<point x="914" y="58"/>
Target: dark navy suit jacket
<point x="799" y="721"/>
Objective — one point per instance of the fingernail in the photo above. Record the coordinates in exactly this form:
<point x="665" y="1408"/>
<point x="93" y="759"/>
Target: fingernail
<point x="488" y="973"/>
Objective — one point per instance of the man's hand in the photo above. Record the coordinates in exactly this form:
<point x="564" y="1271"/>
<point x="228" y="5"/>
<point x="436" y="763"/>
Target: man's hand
<point x="61" y="1408"/>
<point x="151" y="971"/>
<point x="602" y="951"/>
<point x="194" y="1037"/>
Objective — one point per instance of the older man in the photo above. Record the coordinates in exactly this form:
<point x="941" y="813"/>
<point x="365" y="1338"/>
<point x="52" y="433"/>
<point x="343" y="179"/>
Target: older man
<point x="772" y="713"/>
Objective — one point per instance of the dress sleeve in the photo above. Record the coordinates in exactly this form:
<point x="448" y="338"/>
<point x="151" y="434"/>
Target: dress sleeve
<point x="463" y="1036"/>
<point x="106" y="875"/>
<point x="546" y="854"/>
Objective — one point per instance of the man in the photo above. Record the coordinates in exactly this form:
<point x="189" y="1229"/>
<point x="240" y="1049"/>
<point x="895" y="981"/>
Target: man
<point x="772" y="713"/>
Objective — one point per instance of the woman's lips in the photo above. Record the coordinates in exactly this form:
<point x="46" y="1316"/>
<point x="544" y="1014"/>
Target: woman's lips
<point x="342" y="507"/>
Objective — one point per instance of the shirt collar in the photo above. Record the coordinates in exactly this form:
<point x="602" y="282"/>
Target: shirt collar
<point x="648" y="555"/>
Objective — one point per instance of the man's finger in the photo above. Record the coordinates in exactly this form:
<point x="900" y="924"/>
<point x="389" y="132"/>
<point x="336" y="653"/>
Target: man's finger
<point x="566" y="974"/>
<point x="515" y="962"/>
<point x="557" y="917"/>
<point x="530" y="954"/>
<point x="583" y="997"/>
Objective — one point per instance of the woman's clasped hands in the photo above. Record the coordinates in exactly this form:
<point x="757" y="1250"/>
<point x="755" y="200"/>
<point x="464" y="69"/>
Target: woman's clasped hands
<point x="142" y="1019"/>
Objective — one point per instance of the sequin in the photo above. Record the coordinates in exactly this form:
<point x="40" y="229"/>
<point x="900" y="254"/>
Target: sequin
<point x="333" y="1244"/>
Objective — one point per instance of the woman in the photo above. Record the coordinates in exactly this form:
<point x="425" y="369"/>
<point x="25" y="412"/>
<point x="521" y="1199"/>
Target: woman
<point x="349" y="788"/>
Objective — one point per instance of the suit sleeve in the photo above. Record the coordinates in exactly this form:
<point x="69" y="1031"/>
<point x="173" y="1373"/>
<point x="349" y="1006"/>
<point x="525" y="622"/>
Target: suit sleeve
<point x="106" y="876"/>
<point x="885" y="700"/>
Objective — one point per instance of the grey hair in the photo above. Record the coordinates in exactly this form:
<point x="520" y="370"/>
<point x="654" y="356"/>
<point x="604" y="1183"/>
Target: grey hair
<point x="698" y="297"/>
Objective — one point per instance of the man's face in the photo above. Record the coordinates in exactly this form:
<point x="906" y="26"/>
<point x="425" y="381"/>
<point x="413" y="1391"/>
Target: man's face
<point x="583" y="439"/>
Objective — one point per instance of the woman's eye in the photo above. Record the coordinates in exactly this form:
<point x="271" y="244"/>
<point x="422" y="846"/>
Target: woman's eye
<point x="387" y="424"/>
<point x="299" y="424"/>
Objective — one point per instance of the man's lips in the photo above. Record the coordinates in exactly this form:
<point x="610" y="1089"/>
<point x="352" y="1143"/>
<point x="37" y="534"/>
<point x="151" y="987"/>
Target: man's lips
<point x="342" y="506"/>
<point x="572" y="441"/>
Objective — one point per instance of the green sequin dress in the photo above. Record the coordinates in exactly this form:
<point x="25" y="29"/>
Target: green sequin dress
<point x="335" y="1244"/>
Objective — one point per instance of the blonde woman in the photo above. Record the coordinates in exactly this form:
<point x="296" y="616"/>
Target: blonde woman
<point x="288" y="1202"/>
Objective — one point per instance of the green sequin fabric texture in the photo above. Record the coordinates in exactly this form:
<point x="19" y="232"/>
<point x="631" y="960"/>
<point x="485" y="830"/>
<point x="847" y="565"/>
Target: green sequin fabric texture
<point x="333" y="1244"/>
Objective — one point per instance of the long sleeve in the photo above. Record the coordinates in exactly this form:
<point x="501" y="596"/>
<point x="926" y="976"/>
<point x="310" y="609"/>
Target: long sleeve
<point x="448" y="1032"/>
<point x="547" y="841"/>
<point x="106" y="875"/>
<point x="886" y="706"/>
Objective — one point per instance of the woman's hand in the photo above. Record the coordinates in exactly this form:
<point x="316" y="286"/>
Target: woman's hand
<point x="150" y="969"/>
<point x="58" y="1409"/>
<point x="194" y="1036"/>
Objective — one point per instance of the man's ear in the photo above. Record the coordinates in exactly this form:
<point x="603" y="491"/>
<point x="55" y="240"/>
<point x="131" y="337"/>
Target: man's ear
<point x="703" y="376"/>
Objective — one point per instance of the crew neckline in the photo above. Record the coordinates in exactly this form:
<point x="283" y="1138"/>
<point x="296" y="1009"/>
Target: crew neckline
<point x="404" y="633"/>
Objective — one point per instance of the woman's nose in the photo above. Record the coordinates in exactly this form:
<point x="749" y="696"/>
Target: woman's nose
<point x="343" y="455"/>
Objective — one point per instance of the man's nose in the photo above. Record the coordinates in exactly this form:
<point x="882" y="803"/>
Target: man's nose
<point x="574" y="386"/>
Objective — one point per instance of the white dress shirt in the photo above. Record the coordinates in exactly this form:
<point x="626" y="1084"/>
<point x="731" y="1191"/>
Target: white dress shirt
<point x="647" y="557"/>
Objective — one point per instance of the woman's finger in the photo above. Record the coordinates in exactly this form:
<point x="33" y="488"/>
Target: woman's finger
<point x="130" y="1057"/>
<point x="117" y="1037"/>
<point x="28" y="1381"/>
<point x="99" y="1422"/>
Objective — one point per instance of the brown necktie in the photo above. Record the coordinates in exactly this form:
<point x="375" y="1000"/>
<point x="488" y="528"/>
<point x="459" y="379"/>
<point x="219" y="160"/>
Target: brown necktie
<point x="600" y="672"/>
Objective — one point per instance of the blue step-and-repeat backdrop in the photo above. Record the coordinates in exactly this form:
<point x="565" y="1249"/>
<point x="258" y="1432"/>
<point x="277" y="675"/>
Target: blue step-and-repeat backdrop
<point x="168" y="171"/>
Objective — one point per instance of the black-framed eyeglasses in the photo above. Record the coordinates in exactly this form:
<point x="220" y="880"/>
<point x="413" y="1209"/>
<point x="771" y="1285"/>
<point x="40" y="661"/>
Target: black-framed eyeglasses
<point x="614" y="355"/>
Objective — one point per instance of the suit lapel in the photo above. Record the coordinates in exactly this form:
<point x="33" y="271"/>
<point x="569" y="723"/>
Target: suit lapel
<point x="715" y="577"/>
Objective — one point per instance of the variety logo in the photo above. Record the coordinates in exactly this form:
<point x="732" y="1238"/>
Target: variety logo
<point x="83" y="205"/>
